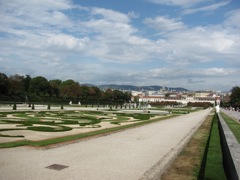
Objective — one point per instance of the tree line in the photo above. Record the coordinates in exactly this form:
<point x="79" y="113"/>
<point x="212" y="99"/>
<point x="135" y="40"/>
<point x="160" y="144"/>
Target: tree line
<point x="39" y="89"/>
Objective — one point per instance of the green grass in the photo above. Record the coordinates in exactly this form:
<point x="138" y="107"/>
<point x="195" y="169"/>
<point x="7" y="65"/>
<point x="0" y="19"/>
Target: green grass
<point x="77" y="136"/>
<point x="214" y="163"/>
<point x="233" y="125"/>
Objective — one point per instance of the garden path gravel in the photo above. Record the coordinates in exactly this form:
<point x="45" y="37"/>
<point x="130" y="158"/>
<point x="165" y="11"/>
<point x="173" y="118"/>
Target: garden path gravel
<point x="137" y="153"/>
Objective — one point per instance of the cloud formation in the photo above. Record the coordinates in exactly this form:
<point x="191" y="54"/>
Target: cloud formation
<point x="60" y="39"/>
<point x="211" y="7"/>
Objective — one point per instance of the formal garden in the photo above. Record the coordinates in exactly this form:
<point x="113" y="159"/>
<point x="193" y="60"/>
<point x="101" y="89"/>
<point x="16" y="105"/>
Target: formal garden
<point x="53" y="126"/>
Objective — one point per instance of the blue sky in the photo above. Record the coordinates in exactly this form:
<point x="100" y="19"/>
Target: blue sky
<point x="193" y="44"/>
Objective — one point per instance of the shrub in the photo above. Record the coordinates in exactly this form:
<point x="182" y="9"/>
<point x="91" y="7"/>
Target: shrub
<point x="49" y="129"/>
<point x="33" y="107"/>
<point x="15" y="106"/>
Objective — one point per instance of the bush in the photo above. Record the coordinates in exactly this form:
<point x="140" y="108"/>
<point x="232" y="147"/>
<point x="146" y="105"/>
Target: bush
<point x="15" y="106"/>
<point x="49" y="129"/>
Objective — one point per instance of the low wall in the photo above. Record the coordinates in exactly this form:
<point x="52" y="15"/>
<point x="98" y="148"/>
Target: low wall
<point x="231" y="150"/>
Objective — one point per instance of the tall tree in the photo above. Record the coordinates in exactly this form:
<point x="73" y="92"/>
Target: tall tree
<point x="39" y="86"/>
<point x="26" y="81"/>
<point x="235" y="96"/>
<point x="70" y="89"/>
<point x="4" y="84"/>
<point x="17" y="85"/>
<point x="54" y="84"/>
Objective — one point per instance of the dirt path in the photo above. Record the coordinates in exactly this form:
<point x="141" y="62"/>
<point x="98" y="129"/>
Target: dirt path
<point x="137" y="153"/>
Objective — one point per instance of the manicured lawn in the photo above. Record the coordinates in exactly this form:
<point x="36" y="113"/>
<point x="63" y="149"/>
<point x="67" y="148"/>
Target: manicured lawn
<point x="214" y="162"/>
<point x="233" y="125"/>
<point x="188" y="163"/>
<point x="59" y="121"/>
<point x="201" y="158"/>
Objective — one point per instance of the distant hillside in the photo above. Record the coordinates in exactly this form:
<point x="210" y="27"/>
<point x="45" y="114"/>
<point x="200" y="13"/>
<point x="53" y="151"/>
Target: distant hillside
<point x="139" y="88"/>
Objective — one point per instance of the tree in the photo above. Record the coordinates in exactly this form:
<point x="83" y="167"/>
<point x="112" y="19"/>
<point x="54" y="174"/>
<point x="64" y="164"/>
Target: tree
<point x="70" y="89"/>
<point x="235" y="97"/>
<point x="54" y="84"/>
<point x="67" y="82"/>
<point x="85" y="93"/>
<point x="26" y="82"/>
<point x="39" y="86"/>
<point x="16" y="85"/>
<point x="18" y="88"/>
<point x="4" y="84"/>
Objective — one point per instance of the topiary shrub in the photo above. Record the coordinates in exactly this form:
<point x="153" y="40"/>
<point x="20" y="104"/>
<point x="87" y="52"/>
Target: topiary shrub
<point x="15" y="106"/>
<point x="33" y="107"/>
<point x="49" y="106"/>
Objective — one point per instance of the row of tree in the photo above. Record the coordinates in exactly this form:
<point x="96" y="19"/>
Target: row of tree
<point x="39" y="89"/>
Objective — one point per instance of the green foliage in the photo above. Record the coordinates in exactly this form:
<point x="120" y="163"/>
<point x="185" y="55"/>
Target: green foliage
<point x="142" y="116"/>
<point x="39" y="89"/>
<point x="39" y="86"/>
<point x="235" y="97"/>
<point x="200" y="104"/>
<point x="15" y="106"/>
<point x="4" y="84"/>
<point x="33" y="107"/>
<point x="49" y="129"/>
<point x="12" y="136"/>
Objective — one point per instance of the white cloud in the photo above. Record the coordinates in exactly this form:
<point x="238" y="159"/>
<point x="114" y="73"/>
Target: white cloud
<point x="164" y="24"/>
<point x="182" y="73"/>
<point x="233" y="19"/>
<point x="211" y="7"/>
<point x="48" y="37"/>
<point x="110" y="15"/>
<point x="67" y="42"/>
<point x="182" y="3"/>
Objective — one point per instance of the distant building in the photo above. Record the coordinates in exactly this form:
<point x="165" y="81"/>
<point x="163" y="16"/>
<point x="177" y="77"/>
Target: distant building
<point x="183" y="98"/>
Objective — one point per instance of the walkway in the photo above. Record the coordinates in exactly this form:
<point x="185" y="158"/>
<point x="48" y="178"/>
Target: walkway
<point x="232" y="114"/>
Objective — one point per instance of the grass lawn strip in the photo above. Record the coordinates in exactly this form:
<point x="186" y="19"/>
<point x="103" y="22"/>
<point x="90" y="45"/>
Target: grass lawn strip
<point x="214" y="162"/>
<point x="233" y="125"/>
<point x="187" y="165"/>
<point x="189" y="162"/>
<point x="79" y="136"/>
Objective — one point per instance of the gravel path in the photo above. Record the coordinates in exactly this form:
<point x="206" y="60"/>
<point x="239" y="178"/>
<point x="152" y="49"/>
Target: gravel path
<point x="233" y="114"/>
<point x="138" y="153"/>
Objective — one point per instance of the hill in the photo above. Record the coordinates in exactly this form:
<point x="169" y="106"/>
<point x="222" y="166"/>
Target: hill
<point x="139" y="88"/>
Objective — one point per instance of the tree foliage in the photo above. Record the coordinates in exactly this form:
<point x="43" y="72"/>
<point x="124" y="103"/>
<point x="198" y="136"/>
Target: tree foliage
<point x="17" y="88"/>
<point x="235" y="97"/>
<point x="40" y="86"/>
<point x="4" y="84"/>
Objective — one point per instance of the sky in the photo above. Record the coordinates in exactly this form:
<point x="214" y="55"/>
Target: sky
<point x="194" y="44"/>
